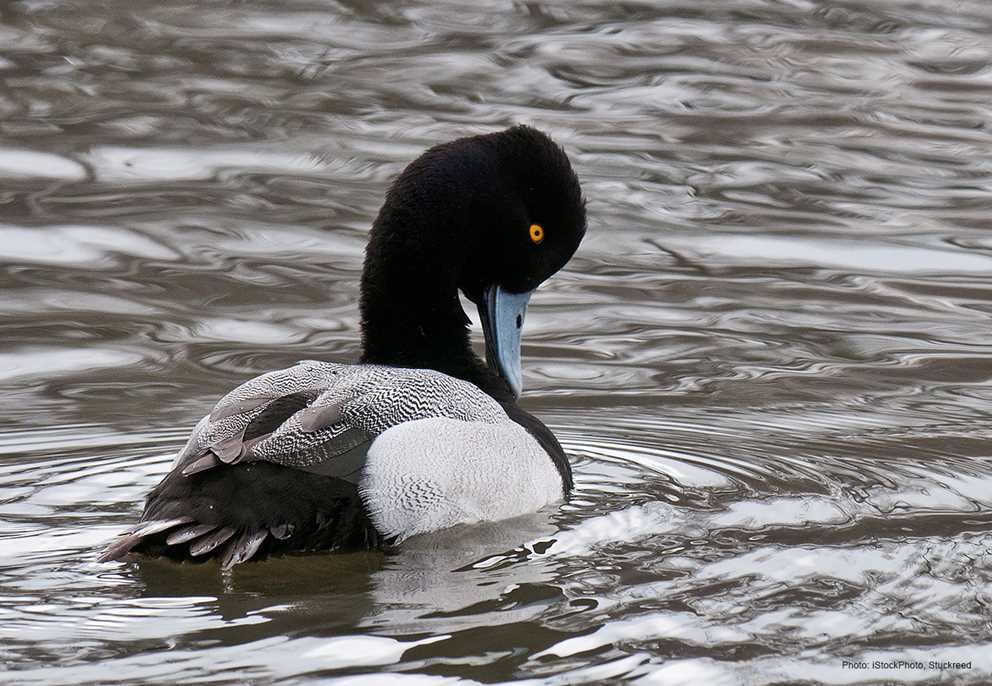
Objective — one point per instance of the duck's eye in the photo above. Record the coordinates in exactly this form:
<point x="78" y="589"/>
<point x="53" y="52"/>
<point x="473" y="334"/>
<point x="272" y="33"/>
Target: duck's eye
<point x="536" y="233"/>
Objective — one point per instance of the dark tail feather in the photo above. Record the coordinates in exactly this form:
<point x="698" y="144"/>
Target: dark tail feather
<point x="243" y="547"/>
<point x="240" y="512"/>
<point x="188" y="533"/>
<point x="204" y="545"/>
<point x="128" y="540"/>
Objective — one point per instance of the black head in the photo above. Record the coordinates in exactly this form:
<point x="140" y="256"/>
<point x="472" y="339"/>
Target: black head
<point x="501" y="210"/>
<point x="532" y="218"/>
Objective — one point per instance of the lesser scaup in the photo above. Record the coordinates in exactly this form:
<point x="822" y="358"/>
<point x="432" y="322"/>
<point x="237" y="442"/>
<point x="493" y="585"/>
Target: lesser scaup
<point x="420" y="434"/>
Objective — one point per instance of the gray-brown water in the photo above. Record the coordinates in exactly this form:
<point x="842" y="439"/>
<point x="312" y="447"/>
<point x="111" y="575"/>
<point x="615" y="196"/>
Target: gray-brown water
<point x="770" y="361"/>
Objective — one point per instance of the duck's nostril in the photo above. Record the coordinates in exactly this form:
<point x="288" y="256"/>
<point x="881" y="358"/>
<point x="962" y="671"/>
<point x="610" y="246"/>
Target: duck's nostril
<point x="520" y="321"/>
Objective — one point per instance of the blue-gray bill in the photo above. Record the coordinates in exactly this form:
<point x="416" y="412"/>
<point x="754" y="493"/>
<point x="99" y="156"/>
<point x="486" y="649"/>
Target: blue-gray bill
<point x="502" y="316"/>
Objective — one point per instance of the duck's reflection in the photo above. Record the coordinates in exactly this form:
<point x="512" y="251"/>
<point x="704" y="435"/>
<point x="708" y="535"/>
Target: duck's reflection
<point x="435" y="582"/>
<point x="322" y="594"/>
<point x="431" y="583"/>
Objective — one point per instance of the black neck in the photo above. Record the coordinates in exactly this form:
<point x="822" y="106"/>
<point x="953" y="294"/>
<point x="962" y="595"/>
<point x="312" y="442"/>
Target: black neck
<point x="406" y="328"/>
<point x="411" y="313"/>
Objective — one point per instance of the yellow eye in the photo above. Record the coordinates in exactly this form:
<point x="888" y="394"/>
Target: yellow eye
<point x="536" y="233"/>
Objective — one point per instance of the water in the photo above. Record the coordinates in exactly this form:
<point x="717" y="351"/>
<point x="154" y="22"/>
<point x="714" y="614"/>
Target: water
<point x="770" y="361"/>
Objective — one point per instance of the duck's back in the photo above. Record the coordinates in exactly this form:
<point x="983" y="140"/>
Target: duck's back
<point x="305" y="415"/>
<point x="323" y="456"/>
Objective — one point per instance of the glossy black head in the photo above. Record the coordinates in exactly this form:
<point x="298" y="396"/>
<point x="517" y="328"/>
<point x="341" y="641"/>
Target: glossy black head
<point x="534" y="217"/>
<point x="498" y="211"/>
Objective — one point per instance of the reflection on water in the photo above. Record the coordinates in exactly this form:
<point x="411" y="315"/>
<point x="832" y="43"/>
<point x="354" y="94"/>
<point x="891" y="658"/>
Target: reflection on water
<point x="769" y="362"/>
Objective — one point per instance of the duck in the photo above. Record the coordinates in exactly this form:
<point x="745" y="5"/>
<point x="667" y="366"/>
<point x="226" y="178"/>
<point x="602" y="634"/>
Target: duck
<point x="420" y="434"/>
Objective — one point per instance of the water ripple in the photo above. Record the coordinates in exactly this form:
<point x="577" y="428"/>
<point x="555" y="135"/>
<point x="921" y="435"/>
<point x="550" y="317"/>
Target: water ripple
<point x="769" y="361"/>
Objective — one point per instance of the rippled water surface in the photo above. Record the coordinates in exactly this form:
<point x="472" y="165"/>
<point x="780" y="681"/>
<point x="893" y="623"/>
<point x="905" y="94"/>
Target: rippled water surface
<point x="770" y="361"/>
